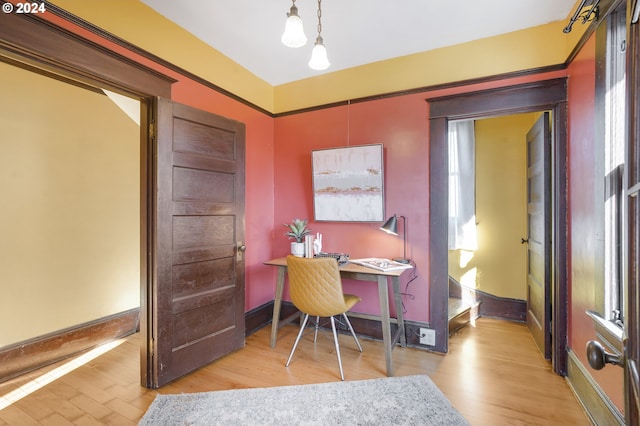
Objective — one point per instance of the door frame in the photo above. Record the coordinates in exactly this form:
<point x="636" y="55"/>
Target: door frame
<point x="31" y="42"/>
<point x="547" y="95"/>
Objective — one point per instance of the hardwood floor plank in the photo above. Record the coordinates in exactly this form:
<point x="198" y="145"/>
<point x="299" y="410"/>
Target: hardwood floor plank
<point x="493" y="374"/>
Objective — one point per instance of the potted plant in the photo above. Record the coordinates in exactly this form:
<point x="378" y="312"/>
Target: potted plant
<point x="297" y="230"/>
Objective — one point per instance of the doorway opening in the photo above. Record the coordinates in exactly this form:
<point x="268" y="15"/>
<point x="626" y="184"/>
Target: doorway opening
<point x="525" y="98"/>
<point x="498" y="202"/>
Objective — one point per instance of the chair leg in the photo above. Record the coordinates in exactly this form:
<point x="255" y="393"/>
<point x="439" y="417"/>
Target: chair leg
<point x="353" y="333"/>
<point x="335" y="339"/>
<point x="315" y="336"/>
<point x="304" y="323"/>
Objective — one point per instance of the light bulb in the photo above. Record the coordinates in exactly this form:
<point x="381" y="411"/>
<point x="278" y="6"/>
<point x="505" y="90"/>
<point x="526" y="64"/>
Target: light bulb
<point x="293" y="35"/>
<point x="319" y="60"/>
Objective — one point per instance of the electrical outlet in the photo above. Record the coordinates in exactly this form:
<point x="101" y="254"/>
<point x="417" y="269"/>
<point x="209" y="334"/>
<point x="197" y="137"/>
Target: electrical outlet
<point x="427" y="337"/>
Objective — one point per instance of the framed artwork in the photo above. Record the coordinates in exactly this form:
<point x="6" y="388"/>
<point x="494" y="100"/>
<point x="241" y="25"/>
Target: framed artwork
<point x="348" y="184"/>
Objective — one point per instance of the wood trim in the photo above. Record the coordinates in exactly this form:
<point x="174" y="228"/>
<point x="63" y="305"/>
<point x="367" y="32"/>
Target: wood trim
<point x="368" y="327"/>
<point x="32" y="354"/>
<point x="594" y="401"/>
<point x="31" y="39"/>
<point x="493" y="306"/>
<point x="145" y="54"/>
<point x="538" y="96"/>
<point x="438" y="233"/>
<point x="431" y="88"/>
<point x="135" y="49"/>
<point x="515" y="99"/>
<point x="22" y="357"/>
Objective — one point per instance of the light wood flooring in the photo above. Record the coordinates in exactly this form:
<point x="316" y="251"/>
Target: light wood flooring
<point x="493" y="375"/>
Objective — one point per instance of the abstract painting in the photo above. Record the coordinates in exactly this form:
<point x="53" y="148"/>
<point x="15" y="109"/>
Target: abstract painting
<point x="348" y="184"/>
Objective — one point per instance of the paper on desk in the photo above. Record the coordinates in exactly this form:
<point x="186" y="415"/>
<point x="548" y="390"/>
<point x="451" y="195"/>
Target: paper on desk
<point x="381" y="264"/>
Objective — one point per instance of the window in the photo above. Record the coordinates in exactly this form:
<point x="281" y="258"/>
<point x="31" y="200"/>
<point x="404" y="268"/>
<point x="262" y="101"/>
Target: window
<point x="610" y="157"/>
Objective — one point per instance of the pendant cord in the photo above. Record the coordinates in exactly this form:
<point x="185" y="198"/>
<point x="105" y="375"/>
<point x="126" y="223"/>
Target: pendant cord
<point x="349" y="122"/>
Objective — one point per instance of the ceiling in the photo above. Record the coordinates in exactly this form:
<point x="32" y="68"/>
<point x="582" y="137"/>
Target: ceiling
<point x="355" y="32"/>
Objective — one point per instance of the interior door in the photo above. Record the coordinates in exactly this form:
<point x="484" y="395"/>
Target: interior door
<point x="538" y="247"/>
<point x="196" y="238"/>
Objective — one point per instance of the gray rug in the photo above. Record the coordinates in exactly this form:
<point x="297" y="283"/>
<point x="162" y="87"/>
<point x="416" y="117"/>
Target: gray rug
<point x="412" y="400"/>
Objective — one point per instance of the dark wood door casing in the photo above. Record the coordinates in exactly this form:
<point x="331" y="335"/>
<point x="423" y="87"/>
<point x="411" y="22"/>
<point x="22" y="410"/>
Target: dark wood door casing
<point x="632" y="237"/>
<point x="29" y="39"/>
<point x="544" y="95"/>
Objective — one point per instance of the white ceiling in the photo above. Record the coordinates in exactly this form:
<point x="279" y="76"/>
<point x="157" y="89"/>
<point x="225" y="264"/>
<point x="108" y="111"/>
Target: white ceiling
<point x="355" y="32"/>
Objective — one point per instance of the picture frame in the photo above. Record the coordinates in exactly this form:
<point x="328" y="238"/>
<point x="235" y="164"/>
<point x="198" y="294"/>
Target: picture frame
<point x="348" y="184"/>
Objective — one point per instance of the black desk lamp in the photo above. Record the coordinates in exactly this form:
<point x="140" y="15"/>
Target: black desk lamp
<point x="391" y="227"/>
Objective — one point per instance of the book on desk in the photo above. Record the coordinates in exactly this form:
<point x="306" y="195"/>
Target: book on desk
<point x="381" y="264"/>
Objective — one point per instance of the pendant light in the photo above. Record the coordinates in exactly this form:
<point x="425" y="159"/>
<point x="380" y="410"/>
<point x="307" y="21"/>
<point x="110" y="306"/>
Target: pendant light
<point x="293" y="35"/>
<point x="319" y="60"/>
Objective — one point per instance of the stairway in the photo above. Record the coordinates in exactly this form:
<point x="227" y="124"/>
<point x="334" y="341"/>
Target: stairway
<point x="460" y="314"/>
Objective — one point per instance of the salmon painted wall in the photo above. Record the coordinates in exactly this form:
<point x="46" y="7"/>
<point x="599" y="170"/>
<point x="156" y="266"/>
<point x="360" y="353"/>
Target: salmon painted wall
<point x="582" y="239"/>
<point x="259" y="179"/>
<point x="401" y="124"/>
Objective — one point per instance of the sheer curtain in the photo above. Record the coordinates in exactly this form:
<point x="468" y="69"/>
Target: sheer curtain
<point x="462" y="186"/>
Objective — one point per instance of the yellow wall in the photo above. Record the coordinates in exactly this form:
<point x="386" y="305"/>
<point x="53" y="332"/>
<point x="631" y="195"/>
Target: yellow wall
<point x="531" y="48"/>
<point x="69" y="221"/>
<point x="142" y="26"/>
<point x="498" y="267"/>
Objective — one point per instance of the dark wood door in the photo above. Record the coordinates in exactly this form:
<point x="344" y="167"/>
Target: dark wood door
<point x="196" y="273"/>
<point x="538" y="252"/>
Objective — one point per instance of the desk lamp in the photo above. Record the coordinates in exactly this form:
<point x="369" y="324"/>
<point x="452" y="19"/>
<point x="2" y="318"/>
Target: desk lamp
<point x="391" y="227"/>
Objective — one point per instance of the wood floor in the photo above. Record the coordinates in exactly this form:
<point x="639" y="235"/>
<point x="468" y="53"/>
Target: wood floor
<point x="493" y="375"/>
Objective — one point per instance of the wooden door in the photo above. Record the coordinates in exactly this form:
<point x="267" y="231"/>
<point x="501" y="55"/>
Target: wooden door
<point x="195" y="299"/>
<point x="538" y="247"/>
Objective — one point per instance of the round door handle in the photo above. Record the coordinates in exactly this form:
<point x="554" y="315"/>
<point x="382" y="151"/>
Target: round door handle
<point x="524" y="241"/>
<point x="242" y="248"/>
<point x="598" y="358"/>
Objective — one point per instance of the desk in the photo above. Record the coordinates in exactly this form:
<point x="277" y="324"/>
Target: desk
<point x="354" y="272"/>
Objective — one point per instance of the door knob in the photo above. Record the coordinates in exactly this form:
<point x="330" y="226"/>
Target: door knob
<point x="240" y="249"/>
<point x="598" y="357"/>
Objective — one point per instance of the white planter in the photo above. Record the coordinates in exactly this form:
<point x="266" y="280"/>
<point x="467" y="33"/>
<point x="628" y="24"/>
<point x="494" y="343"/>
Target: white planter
<point x="297" y="249"/>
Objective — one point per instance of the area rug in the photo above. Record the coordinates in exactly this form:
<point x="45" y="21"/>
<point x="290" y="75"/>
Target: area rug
<point x="410" y="400"/>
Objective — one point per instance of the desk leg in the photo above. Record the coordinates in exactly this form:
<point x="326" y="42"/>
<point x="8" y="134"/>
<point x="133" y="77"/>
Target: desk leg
<point x="399" y="316"/>
<point x="383" y="295"/>
<point x="275" y="321"/>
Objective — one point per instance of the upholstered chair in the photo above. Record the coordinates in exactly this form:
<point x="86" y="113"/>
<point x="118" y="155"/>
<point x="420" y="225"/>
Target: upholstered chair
<point x="315" y="288"/>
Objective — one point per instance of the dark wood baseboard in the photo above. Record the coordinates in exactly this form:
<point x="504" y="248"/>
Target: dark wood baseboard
<point x="35" y="353"/>
<point x="492" y="306"/>
<point x="261" y="316"/>
<point x="369" y="328"/>
<point x="595" y="402"/>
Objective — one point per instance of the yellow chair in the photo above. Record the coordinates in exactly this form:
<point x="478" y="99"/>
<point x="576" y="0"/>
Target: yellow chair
<point x="315" y="288"/>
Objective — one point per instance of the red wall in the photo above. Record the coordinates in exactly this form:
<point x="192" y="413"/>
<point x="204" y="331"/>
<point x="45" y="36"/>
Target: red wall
<point x="401" y="125"/>
<point x="259" y="180"/>
<point x="582" y="205"/>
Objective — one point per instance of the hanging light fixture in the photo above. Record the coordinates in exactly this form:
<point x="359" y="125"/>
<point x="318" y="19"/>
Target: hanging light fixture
<point x="293" y="35"/>
<point x="319" y="60"/>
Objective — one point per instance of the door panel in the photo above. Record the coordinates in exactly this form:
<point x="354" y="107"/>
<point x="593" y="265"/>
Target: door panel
<point x="196" y="294"/>
<point x="538" y="252"/>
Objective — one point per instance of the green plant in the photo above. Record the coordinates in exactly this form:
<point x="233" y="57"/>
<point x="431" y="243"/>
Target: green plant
<point x="297" y="230"/>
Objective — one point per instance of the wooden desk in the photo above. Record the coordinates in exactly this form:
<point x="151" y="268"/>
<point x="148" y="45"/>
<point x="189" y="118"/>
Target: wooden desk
<point x="355" y="272"/>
